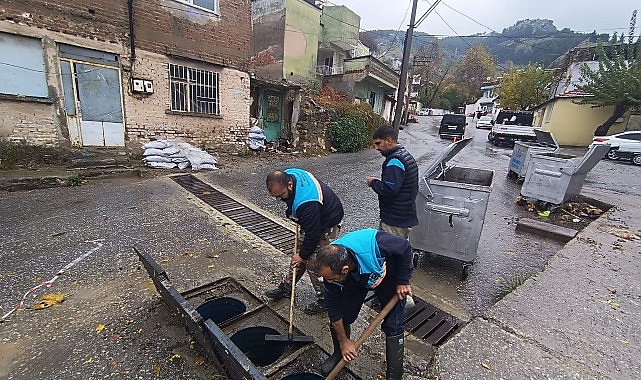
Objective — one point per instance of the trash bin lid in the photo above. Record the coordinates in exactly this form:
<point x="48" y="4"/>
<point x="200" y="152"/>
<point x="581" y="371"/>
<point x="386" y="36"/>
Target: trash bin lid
<point x="445" y="155"/>
<point x="545" y="138"/>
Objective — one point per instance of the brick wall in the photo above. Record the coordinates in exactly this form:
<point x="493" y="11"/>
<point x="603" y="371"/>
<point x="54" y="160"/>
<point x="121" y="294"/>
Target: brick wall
<point x="104" y="20"/>
<point x="166" y="26"/>
<point x="147" y="116"/>
<point x="28" y="122"/>
<point x="163" y="28"/>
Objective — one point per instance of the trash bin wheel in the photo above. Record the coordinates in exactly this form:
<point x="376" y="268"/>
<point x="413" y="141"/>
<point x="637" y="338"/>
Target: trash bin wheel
<point x="465" y="271"/>
<point x="414" y="260"/>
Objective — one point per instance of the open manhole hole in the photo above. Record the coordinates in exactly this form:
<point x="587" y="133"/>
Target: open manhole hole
<point x="251" y="341"/>
<point x="303" y="376"/>
<point x="221" y="309"/>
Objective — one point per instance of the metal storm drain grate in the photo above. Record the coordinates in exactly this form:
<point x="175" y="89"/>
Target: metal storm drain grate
<point x="425" y="321"/>
<point x="273" y="233"/>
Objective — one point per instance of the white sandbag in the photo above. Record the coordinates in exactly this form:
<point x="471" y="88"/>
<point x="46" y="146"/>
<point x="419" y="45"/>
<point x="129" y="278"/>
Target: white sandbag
<point x="157" y="159"/>
<point x="170" y="150"/>
<point x="153" y="152"/>
<point x="183" y="165"/>
<point x="207" y="167"/>
<point x="177" y="159"/>
<point x="158" y="144"/>
<point x="161" y="165"/>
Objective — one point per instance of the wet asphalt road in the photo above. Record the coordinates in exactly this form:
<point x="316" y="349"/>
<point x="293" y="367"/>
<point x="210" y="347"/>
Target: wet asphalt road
<point x="503" y="253"/>
<point x="42" y="230"/>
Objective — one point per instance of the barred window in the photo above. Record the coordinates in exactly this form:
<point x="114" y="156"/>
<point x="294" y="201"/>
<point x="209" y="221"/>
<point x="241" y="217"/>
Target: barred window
<point x="194" y="90"/>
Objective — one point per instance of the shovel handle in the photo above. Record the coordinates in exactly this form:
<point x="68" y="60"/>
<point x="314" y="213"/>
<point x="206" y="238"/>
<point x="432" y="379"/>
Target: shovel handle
<point x="291" y="298"/>
<point x="368" y="331"/>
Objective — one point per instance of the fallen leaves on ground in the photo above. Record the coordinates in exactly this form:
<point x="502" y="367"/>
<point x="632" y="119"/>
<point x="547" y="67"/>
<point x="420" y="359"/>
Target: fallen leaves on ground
<point x="157" y="369"/>
<point x="612" y="303"/>
<point x="486" y="365"/>
<point x="99" y="328"/>
<point x="48" y="300"/>
<point x="200" y="360"/>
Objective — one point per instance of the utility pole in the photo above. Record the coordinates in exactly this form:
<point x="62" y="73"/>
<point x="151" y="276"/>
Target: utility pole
<point x="402" y="85"/>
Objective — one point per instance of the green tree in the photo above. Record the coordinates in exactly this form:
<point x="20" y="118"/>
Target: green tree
<point x="525" y="87"/>
<point x="617" y="81"/>
<point x="452" y="97"/>
<point x="472" y="70"/>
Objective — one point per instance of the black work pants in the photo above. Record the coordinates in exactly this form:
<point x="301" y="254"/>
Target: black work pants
<point x="353" y="296"/>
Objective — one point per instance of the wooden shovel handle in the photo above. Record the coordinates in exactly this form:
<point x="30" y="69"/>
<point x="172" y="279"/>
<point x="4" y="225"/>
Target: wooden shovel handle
<point x="291" y="299"/>
<point x="368" y="331"/>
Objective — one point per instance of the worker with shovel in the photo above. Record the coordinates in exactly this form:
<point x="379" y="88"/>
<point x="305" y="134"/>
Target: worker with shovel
<point x="352" y="265"/>
<point x="318" y="212"/>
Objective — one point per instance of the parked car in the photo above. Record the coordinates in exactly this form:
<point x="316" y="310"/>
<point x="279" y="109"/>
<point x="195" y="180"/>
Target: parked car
<point x="485" y="122"/>
<point x="423" y="112"/>
<point x="452" y="126"/>
<point x="628" y="151"/>
<point x="629" y="138"/>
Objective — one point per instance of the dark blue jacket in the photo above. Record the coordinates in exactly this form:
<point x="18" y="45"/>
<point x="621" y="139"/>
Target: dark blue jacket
<point x="368" y="248"/>
<point x="316" y="207"/>
<point x="397" y="188"/>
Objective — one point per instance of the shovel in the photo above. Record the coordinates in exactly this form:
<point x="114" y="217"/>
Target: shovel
<point x="368" y="331"/>
<point x="290" y="338"/>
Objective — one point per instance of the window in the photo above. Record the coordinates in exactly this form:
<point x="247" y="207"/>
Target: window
<point x="193" y="90"/>
<point x="22" y="67"/>
<point x="210" y="5"/>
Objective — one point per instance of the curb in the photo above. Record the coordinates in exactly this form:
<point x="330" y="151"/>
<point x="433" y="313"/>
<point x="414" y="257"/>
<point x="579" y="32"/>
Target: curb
<point x="71" y="178"/>
<point x="559" y="233"/>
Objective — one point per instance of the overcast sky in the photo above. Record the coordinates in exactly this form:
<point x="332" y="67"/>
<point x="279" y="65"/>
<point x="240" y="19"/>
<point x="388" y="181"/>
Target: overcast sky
<point x="578" y="15"/>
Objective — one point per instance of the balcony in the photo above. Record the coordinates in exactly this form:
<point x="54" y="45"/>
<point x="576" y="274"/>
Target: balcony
<point x="329" y="70"/>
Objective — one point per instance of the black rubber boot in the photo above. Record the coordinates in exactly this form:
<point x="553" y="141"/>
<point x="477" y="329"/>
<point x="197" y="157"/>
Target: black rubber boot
<point x="394" y="353"/>
<point x="283" y="290"/>
<point x="331" y="362"/>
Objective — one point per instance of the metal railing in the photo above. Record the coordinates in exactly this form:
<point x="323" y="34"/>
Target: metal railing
<point x="329" y="70"/>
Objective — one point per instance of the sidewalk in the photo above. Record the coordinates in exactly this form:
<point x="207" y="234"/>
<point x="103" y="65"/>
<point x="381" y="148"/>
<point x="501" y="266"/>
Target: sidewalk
<point x="579" y="318"/>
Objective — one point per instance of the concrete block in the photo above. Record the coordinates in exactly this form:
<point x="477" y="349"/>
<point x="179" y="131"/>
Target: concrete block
<point x="559" y="233"/>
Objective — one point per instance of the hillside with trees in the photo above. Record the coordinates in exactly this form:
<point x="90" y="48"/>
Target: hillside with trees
<point x="526" y="42"/>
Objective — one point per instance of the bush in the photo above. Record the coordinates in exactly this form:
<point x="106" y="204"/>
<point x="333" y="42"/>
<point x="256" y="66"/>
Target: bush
<point x="348" y="135"/>
<point x="354" y="124"/>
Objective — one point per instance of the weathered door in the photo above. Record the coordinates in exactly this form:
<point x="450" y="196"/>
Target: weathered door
<point x="93" y="103"/>
<point x="273" y="115"/>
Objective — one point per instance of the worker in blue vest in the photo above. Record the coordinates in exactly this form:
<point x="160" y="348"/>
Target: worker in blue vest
<point x="398" y="185"/>
<point x="352" y="265"/>
<point x="318" y="211"/>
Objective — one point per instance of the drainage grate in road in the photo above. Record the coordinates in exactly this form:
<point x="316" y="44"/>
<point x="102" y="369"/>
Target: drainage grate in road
<point x="425" y="321"/>
<point x="273" y="233"/>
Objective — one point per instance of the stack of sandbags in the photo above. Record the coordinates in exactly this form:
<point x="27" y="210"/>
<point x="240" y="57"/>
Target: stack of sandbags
<point x="169" y="154"/>
<point x="256" y="139"/>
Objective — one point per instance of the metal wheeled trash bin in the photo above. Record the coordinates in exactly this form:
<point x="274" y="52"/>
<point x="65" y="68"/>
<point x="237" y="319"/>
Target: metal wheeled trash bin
<point x="451" y="205"/>
<point x="523" y="151"/>
<point x="555" y="178"/>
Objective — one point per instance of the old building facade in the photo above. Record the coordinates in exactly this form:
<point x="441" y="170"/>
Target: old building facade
<point x="121" y="72"/>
